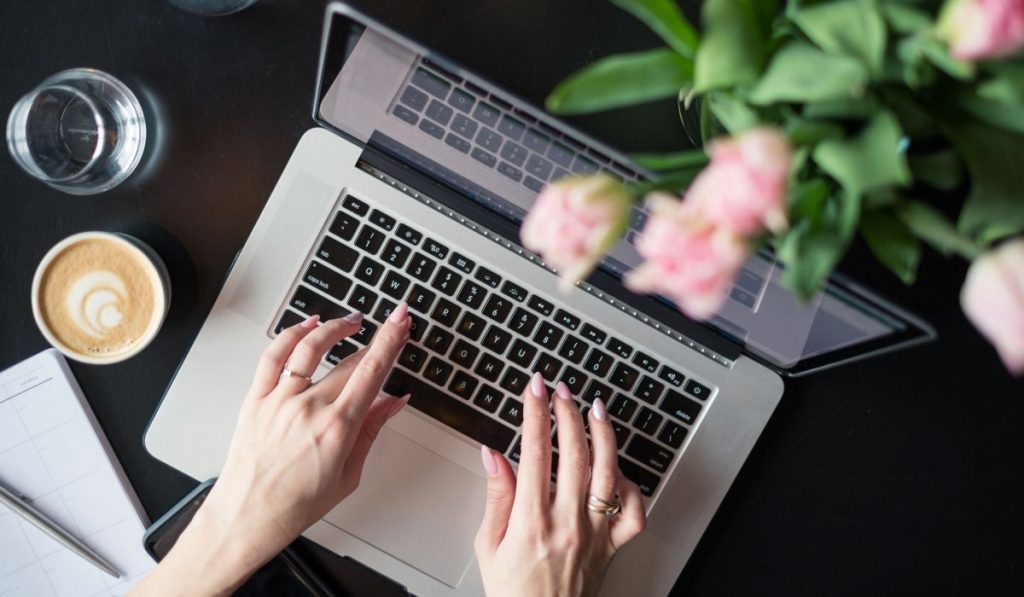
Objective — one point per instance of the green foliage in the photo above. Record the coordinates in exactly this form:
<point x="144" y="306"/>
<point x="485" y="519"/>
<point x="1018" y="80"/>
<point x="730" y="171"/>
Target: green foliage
<point x="852" y="28"/>
<point x="870" y="160"/>
<point x="666" y="20"/>
<point x="943" y="170"/>
<point x="734" y="45"/>
<point x="734" y="114"/>
<point x="931" y="226"/>
<point x="892" y="242"/>
<point x="799" y="72"/>
<point x="994" y="157"/>
<point x="622" y="80"/>
<point x="671" y="161"/>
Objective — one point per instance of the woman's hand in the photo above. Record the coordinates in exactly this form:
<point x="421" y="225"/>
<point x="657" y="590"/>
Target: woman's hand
<point x="539" y="542"/>
<point x="297" y="451"/>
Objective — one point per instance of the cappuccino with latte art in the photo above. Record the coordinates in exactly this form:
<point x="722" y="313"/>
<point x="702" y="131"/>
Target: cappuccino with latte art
<point x="99" y="297"/>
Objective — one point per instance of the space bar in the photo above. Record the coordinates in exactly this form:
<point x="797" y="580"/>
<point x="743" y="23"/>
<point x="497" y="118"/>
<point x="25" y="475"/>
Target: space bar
<point x="452" y="412"/>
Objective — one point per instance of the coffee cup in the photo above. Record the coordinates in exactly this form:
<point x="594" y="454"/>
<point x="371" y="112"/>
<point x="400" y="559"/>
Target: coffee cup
<point x="100" y="297"/>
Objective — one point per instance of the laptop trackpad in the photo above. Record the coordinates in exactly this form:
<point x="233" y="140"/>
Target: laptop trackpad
<point x="416" y="506"/>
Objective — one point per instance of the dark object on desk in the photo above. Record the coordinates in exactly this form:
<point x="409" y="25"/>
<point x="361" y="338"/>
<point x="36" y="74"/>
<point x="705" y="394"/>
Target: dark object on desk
<point x="213" y="8"/>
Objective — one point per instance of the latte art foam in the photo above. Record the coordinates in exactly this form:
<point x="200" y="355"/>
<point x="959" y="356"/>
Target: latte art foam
<point x="98" y="297"/>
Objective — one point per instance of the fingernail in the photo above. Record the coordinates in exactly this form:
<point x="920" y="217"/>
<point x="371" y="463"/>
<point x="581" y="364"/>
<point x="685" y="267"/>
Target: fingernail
<point x="562" y="391"/>
<point x="537" y="386"/>
<point x="398" y="405"/>
<point x="400" y="314"/>
<point x="310" y="322"/>
<point x="490" y="464"/>
<point x="354" y="317"/>
<point x="599" y="411"/>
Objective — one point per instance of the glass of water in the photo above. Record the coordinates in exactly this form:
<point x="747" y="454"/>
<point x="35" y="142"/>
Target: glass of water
<point x="81" y="131"/>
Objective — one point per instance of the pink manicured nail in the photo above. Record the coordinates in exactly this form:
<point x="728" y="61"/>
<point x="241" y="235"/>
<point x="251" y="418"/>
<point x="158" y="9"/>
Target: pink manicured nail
<point x="398" y="405"/>
<point x="562" y="391"/>
<point x="354" y="317"/>
<point x="310" y="322"/>
<point x="537" y="386"/>
<point x="599" y="411"/>
<point x="400" y="314"/>
<point x="490" y="464"/>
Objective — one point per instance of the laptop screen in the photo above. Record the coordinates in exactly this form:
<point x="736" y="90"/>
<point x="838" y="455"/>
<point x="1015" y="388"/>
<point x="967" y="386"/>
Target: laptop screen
<point x="496" y="146"/>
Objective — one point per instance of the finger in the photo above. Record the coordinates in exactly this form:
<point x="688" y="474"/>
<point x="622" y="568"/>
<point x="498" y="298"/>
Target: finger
<point x="274" y="357"/>
<point x="310" y="351"/>
<point x="383" y="408"/>
<point x="371" y="372"/>
<point x="605" y="473"/>
<point x="329" y="386"/>
<point x="573" y="454"/>
<point x="632" y="519"/>
<point x="533" y="486"/>
<point x="501" y="494"/>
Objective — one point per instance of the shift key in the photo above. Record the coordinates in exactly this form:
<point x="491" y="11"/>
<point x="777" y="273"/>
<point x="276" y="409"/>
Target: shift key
<point x="311" y="303"/>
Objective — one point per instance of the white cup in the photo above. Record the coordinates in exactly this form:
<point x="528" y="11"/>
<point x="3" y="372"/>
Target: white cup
<point x="159" y="278"/>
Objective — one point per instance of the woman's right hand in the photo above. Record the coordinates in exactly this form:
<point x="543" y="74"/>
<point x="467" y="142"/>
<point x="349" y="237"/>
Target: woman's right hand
<point x="539" y="542"/>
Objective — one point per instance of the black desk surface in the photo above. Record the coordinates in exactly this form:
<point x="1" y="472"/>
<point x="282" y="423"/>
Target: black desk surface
<point x="901" y="474"/>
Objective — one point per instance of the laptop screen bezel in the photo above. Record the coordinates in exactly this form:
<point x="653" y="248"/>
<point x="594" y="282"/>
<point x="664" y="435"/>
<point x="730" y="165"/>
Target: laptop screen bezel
<point x="915" y="331"/>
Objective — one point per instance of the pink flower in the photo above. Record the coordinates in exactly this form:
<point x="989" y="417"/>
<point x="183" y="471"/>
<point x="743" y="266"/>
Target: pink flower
<point x="993" y="299"/>
<point x="743" y="189"/>
<point x="688" y="259"/>
<point x="978" y="29"/>
<point x="574" y="222"/>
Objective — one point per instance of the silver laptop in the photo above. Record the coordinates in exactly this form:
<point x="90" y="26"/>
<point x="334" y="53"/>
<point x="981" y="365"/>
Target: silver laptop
<point x="412" y="188"/>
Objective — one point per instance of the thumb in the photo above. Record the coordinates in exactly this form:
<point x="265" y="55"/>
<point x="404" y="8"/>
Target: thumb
<point x="501" y="493"/>
<point x="383" y="408"/>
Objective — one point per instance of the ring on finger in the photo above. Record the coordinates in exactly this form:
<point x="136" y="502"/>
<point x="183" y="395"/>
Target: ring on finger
<point x="289" y="373"/>
<point x="596" y="504"/>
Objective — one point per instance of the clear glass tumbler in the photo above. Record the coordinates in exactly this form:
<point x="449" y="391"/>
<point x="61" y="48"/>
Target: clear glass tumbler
<point x="81" y="131"/>
<point x="213" y="8"/>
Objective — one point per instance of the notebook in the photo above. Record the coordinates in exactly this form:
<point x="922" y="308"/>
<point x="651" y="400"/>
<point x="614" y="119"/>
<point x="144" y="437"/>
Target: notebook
<point x="54" y="453"/>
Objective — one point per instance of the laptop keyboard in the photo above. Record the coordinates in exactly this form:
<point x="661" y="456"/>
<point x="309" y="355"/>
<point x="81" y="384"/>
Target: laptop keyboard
<point x="476" y="338"/>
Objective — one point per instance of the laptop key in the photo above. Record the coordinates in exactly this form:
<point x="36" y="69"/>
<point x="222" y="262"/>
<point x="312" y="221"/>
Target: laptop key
<point x="539" y="167"/>
<point x="435" y="249"/>
<point x="514" y="153"/>
<point x="414" y="98"/>
<point x="417" y="326"/>
<point x="463" y="385"/>
<point x="412" y="358"/>
<point x="483" y="157"/>
<point x="573" y="349"/>
<point x="649" y="390"/>
<point x="487" y="277"/>
<point x="540" y="305"/>
<point x="344" y="225"/>
<point x="471" y="326"/>
<point x="593" y="334"/>
<point x="405" y="114"/>
<point x="672" y="434"/>
<point x="409" y="235"/>
<point x="598" y="363"/>
<point x="337" y="254"/>
<point x="369" y="271"/>
<point x="560" y="154"/>
<point x="438" y="340"/>
<point x="395" y="254"/>
<point x="430" y="82"/>
<point x="457" y="142"/>
<point x="645" y="479"/>
<point x="597" y="390"/>
<point x="624" y="376"/>
<point x="431" y="128"/>
<point x="489" y="367"/>
<point x="622" y="433"/>
<point x="461" y="262"/>
<point x="574" y="379"/>
<point x="460" y="100"/>
<point x="533" y="184"/>
<point x="496" y="339"/>
<point x="548" y="336"/>
<point x="366" y="331"/>
<point x="514" y="381"/>
<point x="680" y="407"/>
<point x="511" y="127"/>
<point x="536" y="140"/>
<point x="647" y="421"/>
<point x="471" y="295"/>
<point x="327" y="280"/>
<point x="567" y="319"/>
<point x="446" y="280"/>
<point x="384" y="309"/>
<point x="382" y="220"/>
<point x="619" y="347"/>
<point x="497" y="308"/>
<point x="512" y="412"/>
<point x="647" y="452"/>
<point x="370" y="239"/>
<point x="420" y="299"/>
<point x="461" y="417"/>
<point x="623" y="408"/>
<point x="488" y="398"/>
<point x="671" y="375"/>
<point x="340" y="351"/>
<point x="645" y="362"/>
<point x="510" y="171"/>
<point x="581" y="166"/>
<point x="489" y="140"/>
<point x="522" y="322"/>
<point x="697" y="390"/>
<point x="464" y="354"/>
<point x="439" y="112"/>
<point x="464" y="126"/>
<point x="513" y="290"/>
<point x="362" y="299"/>
<point x="355" y="206"/>
<point x="446" y="313"/>
<point x="486" y="113"/>
<point x="288" y="319"/>
<point x="438" y="371"/>
<point x="548" y="366"/>
<point x="395" y="285"/>
<point x="421" y="267"/>
<point x="522" y="353"/>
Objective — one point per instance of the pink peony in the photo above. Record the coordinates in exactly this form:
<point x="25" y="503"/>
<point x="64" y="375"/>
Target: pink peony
<point x="977" y="29"/>
<point x="688" y="259"/>
<point x="993" y="299"/>
<point x="573" y="223"/>
<point x="743" y="189"/>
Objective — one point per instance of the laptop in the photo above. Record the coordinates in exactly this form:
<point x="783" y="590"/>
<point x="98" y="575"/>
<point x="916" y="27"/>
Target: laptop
<point x="412" y="187"/>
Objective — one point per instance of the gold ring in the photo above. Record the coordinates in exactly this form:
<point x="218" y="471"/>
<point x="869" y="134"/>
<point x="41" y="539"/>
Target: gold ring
<point x="289" y="373"/>
<point x="596" y="504"/>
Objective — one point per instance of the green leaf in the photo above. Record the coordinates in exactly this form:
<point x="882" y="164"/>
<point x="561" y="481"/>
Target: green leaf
<point x="799" y="72"/>
<point x="994" y="158"/>
<point x="851" y="27"/>
<point x="671" y="161"/>
<point x="892" y="243"/>
<point x="843" y="109"/>
<point x="733" y="49"/>
<point x="733" y="113"/>
<point x="675" y="182"/>
<point x="822" y="228"/>
<point x="942" y="170"/>
<point x="933" y="227"/>
<point x="622" y="80"/>
<point x="803" y="131"/>
<point x="868" y="161"/>
<point x="906" y="19"/>
<point x="1009" y="116"/>
<point x="1006" y="84"/>
<point x="667" y="21"/>
<point x="938" y="54"/>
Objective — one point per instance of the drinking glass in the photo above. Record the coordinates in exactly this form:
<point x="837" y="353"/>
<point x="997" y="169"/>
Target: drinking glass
<point x="213" y="7"/>
<point x="81" y="131"/>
